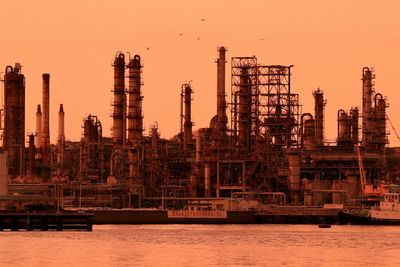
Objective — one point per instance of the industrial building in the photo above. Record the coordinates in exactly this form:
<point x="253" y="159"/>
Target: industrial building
<point x="259" y="141"/>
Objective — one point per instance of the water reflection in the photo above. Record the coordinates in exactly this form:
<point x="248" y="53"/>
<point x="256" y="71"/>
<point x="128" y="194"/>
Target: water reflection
<point x="204" y="245"/>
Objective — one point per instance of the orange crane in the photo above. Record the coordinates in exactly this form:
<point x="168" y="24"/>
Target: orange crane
<point x="368" y="190"/>
<point x="394" y="130"/>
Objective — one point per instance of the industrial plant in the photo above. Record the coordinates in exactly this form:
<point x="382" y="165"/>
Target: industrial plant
<point x="260" y="145"/>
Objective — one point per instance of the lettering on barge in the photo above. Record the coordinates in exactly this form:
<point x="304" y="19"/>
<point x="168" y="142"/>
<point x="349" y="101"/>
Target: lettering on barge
<point x="197" y="214"/>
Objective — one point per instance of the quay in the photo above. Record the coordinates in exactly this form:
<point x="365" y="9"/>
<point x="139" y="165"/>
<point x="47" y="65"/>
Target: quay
<point x="270" y="215"/>
<point x="298" y="215"/>
<point x="46" y="221"/>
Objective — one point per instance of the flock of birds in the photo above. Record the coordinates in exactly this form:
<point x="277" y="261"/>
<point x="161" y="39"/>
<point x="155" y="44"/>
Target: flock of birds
<point x="199" y="38"/>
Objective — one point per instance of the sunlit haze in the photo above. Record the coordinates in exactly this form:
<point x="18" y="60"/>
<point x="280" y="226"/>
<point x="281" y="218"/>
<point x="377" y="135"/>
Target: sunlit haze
<point x="328" y="42"/>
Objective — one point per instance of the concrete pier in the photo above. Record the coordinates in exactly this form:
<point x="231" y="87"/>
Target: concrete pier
<point x="46" y="221"/>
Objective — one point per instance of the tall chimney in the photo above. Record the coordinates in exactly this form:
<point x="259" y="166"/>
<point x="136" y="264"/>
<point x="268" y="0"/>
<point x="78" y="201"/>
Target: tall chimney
<point x="221" y="103"/>
<point x="46" y="120"/>
<point x="31" y="151"/>
<point x="60" y="141"/>
<point x="61" y="132"/>
<point x="219" y="130"/>
<point x="38" y="139"/>
<point x="187" y="132"/>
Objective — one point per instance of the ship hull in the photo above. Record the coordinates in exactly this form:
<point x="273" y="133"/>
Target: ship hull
<point x="163" y="217"/>
<point x="356" y="219"/>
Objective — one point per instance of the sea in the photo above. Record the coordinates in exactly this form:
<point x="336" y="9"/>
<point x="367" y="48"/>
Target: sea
<point x="205" y="245"/>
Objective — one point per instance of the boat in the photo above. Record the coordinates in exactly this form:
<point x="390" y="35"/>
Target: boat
<point x="387" y="212"/>
<point x="324" y="225"/>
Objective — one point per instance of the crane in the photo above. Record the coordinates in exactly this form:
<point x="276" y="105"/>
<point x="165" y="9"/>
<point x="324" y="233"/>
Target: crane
<point x="363" y="180"/>
<point x="394" y="130"/>
<point x="367" y="189"/>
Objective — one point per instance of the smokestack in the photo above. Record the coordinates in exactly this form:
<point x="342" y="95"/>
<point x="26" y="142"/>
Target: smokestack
<point x="60" y="141"/>
<point x="31" y="158"/>
<point x="187" y="132"/>
<point x="119" y="113"/>
<point x="61" y="133"/>
<point x="38" y="139"/>
<point x="220" y="127"/>
<point x="221" y="103"/>
<point x="46" y="120"/>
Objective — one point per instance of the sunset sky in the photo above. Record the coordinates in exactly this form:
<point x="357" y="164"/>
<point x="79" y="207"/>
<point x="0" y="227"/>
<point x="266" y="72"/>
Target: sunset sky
<point x="328" y="42"/>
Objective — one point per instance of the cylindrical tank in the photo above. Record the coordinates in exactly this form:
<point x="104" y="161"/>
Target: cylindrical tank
<point x="354" y="125"/>
<point x="87" y="127"/>
<point x="367" y="118"/>
<point x="119" y="113"/>
<point x="380" y="121"/>
<point x="344" y="130"/>
<point x="319" y="116"/>
<point x="14" y="120"/>
<point x="46" y="120"/>
<point x="135" y="118"/>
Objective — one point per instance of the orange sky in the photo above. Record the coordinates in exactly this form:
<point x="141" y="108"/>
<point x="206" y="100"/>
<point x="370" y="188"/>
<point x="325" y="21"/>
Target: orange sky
<point x="75" y="41"/>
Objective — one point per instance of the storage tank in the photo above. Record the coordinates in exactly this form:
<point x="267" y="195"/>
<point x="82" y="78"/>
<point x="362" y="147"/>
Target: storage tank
<point x="344" y="128"/>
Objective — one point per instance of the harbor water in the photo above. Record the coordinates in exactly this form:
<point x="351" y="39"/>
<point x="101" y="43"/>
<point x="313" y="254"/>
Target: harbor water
<point x="205" y="245"/>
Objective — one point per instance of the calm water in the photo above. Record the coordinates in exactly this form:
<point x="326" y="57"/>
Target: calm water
<point x="205" y="245"/>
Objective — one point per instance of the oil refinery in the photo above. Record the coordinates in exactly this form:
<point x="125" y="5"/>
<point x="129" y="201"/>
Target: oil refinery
<point x="260" y="146"/>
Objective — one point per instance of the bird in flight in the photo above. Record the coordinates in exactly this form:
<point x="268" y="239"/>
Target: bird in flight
<point x="147" y="48"/>
<point x="180" y="34"/>
<point x="198" y="38"/>
<point x="203" y="19"/>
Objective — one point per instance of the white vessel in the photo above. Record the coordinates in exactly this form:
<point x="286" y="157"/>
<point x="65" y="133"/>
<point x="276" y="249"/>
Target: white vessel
<point x="388" y="209"/>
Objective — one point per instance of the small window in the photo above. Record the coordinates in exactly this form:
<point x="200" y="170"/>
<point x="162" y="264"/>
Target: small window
<point x="220" y="207"/>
